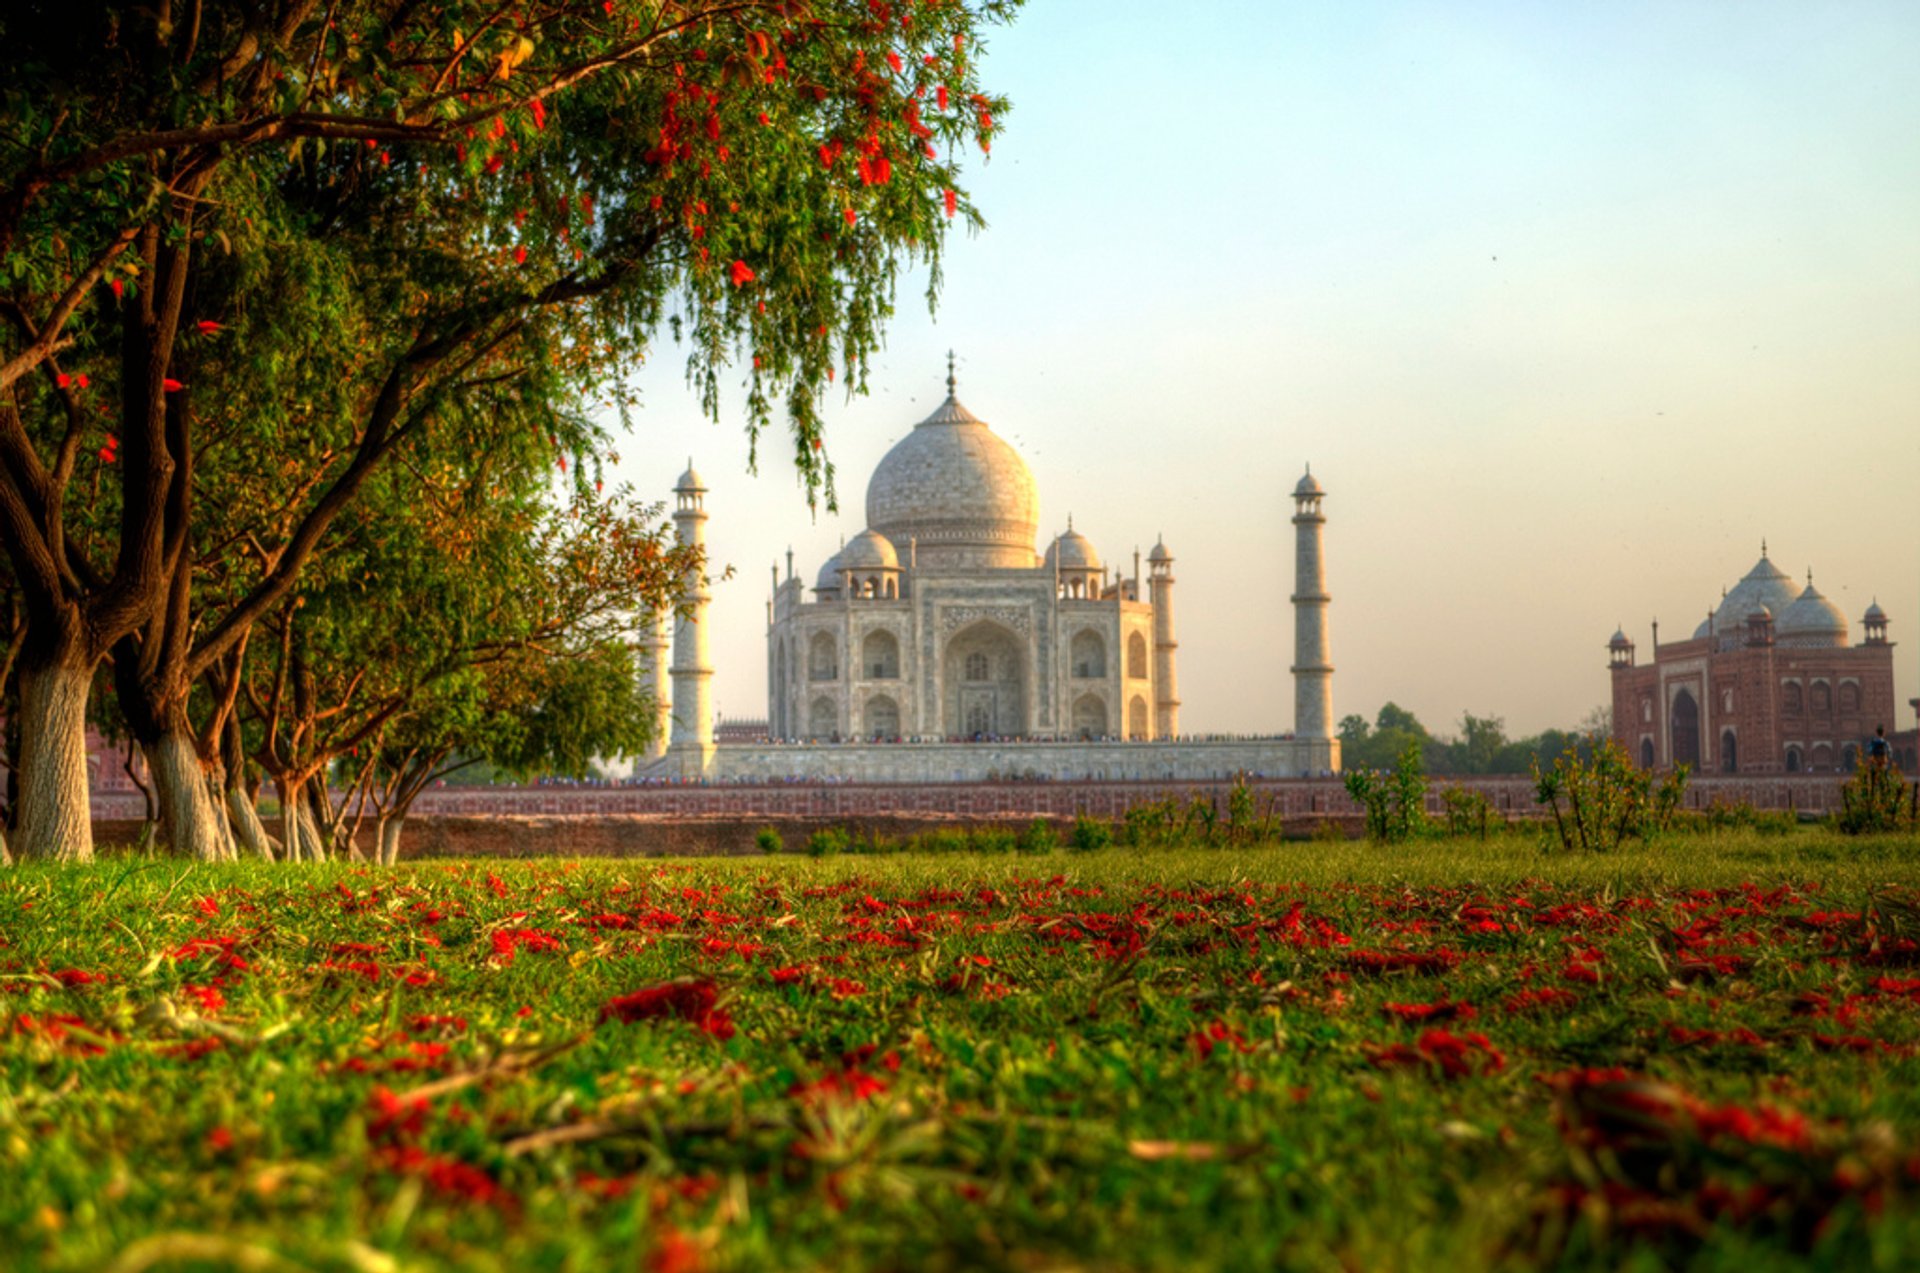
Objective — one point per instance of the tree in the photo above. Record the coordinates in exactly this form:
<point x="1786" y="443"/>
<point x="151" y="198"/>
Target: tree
<point x="328" y="235"/>
<point x="1482" y="740"/>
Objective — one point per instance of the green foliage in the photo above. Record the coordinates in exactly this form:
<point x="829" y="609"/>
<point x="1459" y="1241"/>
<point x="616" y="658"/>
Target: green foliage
<point x="283" y="278"/>
<point x="1469" y="812"/>
<point x="1329" y="831"/>
<point x="828" y="842"/>
<point x="319" y="1055"/>
<point x="993" y="840"/>
<point x="1875" y="800"/>
<point x="1723" y="816"/>
<point x="1148" y="823"/>
<point x="1090" y="835"/>
<point x="1395" y="803"/>
<point x="1482" y="746"/>
<point x="1607" y="798"/>
<point x="769" y="840"/>
<point x="1038" y="837"/>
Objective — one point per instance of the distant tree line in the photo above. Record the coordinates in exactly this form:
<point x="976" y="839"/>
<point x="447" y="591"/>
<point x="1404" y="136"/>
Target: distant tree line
<point x="1480" y="747"/>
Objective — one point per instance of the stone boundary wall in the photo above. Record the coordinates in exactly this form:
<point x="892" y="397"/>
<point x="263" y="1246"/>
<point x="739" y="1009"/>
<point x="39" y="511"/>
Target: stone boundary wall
<point x="1180" y="760"/>
<point x="1292" y="800"/>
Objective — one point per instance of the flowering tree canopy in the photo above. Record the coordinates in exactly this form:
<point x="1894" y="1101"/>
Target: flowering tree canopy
<point x="265" y="251"/>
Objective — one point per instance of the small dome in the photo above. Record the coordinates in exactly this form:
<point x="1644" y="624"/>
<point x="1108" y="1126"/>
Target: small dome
<point x="1764" y="585"/>
<point x="690" y="480"/>
<point x="1308" y="485"/>
<point x="1813" y="620"/>
<point x="1874" y="613"/>
<point x="1073" y="551"/>
<point x="1759" y="614"/>
<point x="829" y="577"/>
<point x="1160" y="552"/>
<point x="869" y="550"/>
<point x="1618" y="641"/>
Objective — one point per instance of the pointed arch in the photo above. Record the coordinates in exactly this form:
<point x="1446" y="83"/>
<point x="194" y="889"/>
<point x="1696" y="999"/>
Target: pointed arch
<point x="1090" y="717"/>
<point x="880" y="656"/>
<point x="1087" y="656"/>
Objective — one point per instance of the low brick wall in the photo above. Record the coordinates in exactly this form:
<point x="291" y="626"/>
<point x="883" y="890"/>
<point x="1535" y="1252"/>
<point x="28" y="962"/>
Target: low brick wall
<point x="674" y="820"/>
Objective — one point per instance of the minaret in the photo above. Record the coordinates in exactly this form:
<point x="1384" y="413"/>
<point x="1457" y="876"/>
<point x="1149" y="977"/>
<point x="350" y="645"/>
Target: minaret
<point x="692" y="745"/>
<point x="1312" y="674"/>
<point x="653" y="648"/>
<point x="1166" y="685"/>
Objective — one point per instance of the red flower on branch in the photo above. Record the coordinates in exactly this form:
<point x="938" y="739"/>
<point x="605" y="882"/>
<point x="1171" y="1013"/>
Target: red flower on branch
<point x="742" y="273"/>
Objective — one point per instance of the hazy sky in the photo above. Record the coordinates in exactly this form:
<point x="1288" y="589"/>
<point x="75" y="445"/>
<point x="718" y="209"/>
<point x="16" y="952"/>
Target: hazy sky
<point x="1568" y="304"/>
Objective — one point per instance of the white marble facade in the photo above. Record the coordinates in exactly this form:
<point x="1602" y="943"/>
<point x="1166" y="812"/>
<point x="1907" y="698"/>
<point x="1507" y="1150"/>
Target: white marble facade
<point x="942" y="622"/>
<point x="943" y="625"/>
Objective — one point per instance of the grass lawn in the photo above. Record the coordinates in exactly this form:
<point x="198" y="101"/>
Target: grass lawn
<point x="1342" y="1056"/>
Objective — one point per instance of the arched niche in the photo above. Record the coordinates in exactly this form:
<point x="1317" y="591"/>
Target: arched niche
<point x="1090" y="716"/>
<point x="984" y="679"/>
<point x="1087" y="655"/>
<point x="880" y="656"/>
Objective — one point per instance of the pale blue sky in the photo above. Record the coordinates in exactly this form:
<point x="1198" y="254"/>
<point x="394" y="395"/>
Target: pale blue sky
<point x="1568" y="304"/>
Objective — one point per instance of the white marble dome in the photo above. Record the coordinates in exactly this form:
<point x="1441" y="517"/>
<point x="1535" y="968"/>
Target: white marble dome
<point x="1073" y="551"/>
<point x="829" y="577"/>
<point x="869" y="550"/>
<point x="1812" y="620"/>
<point x="959" y="492"/>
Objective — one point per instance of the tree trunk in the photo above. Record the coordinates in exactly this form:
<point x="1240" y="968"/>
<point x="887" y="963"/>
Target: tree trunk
<point x="297" y="849"/>
<point x="196" y="826"/>
<point x="310" y="836"/>
<point x="390" y="839"/>
<point x="54" y="820"/>
<point x="248" y="831"/>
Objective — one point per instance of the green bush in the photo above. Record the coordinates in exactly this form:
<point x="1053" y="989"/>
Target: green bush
<point x="992" y="840"/>
<point x="1329" y="831"/>
<point x="828" y="842"/>
<point x="1090" y="834"/>
<point x="1151" y="822"/>
<point x="1608" y="798"/>
<point x="1721" y="815"/>
<point x="769" y="840"/>
<point x="1395" y="803"/>
<point x="1873" y="800"/>
<point x="1469" y="812"/>
<point x="1038" y="838"/>
<point x="942" y="840"/>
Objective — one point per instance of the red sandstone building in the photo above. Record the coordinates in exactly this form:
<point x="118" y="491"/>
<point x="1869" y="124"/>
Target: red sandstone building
<point x="1767" y="684"/>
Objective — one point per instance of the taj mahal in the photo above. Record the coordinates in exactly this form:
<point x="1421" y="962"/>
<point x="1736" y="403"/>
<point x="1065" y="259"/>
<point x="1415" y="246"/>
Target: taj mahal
<point x="942" y="644"/>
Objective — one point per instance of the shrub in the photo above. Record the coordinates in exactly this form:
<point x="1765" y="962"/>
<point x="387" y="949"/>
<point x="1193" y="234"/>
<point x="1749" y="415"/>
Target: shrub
<point x="827" y="842"/>
<point x="1038" y="838"/>
<point x="1329" y="831"/>
<point x="769" y="840"/>
<point x="1395" y="803"/>
<point x="1722" y="815"/>
<point x="1873" y="800"/>
<point x="1608" y="798"/>
<point x="1469" y="812"/>
<point x="1090" y="834"/>
<point x="992" y="840"/>
<point x="1150" y="822"/>
<point x="942" y="840"/>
